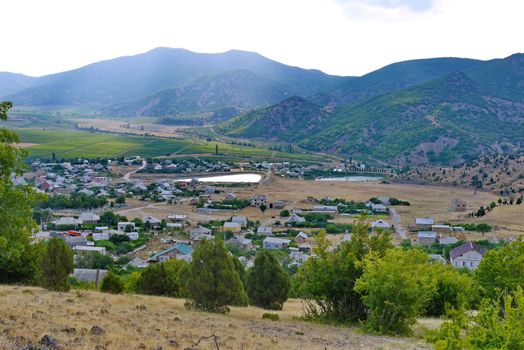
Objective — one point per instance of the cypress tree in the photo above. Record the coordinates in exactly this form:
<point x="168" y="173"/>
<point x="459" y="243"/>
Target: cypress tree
<point x="56" y="265"/>
<point x="214" y="283"/>
<point x="268" y="284"/>
<point x="161" y="279"/>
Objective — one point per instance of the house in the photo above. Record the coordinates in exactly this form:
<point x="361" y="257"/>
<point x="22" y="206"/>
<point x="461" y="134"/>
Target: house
<point x="265" y="231"/>
<point x="66" y="221"/>
<point x="126" y="225"/>
<point x="200" y="230"/>
<point x="327" y="209"/>
<point x="232" y="227"/>
<point x="441" y="228"/>
<point x="437" y="258"/>
<point x="458" y="205"/>
<point x="179" y="251"/>
<point x="259" y="200"/>
<point x="89" y="275"/>
<point x="99" y="236"/>
<point x="177" y="218"/>
<point x="424" y="223"/>
<point x="427" y="237"/>
<point x="279" y="204"/>
<point x="467" y="256"/>
<point x="378" y="208"/>
<point x="242" y="220"/>
<point x="298" y="257"/>
<point x="380" y="224"/>
<point x="132" y="235"/>
<point x="294" y="218"/>
<point x="74" y="241"/>
<point x="301" y="237"/>
<point x="151" y="220"/>
<point x="275" y="243"/>
<point x="88" y="218"/>
<point x="240" y="242"/>
<point x="89" y="249"/>
<point x="447" y="240"/>
<point x="138" y="263"/>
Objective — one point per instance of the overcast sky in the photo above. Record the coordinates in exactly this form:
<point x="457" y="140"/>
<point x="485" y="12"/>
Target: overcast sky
<point x="344" y="37"/>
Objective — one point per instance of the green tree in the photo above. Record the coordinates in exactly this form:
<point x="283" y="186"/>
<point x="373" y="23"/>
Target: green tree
<point x="239" y="267"/>
<point x="284" y="213"/>
<point x="326" y="282"/>
<point x="263" y="208"/>
<point x="213" y="283"/>
<point x="395" y="289"/>
<point x="483" y="228"/>
<point x="121" y="200"/>
<point x="161" y="279"/>
<point x="56" y="265"/>
<point x="501" y="270"/>
<point x="113" y="284"/>
<point x="453" y="288"/>
<point x="267" y="283"/>
<point x="18" y="257"/>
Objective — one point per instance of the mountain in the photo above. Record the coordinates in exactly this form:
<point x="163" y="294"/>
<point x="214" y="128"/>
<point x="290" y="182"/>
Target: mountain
<point x="133" y="77"/>
<point x="240" y="88"/>
<point x="290" y="120"/>
<point x="446" y="120"/>
<point x="393" y="77"/>
<point x="12" y="82"/>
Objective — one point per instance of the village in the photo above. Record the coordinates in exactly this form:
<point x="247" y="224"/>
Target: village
<point x="136" y="212"/>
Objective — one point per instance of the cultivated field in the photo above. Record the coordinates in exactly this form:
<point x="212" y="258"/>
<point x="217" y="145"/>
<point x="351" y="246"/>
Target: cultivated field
<point x="145" y="322"/>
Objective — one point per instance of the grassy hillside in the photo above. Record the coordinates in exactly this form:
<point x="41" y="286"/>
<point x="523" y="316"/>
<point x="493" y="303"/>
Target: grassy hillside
<point x="11" y="83"/>
<point x="146" y="322"/>
<point x="446" y="120"/>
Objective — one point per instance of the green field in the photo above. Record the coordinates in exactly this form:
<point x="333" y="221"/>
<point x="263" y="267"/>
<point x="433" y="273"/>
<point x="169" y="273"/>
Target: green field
<point x="83" y="144"/>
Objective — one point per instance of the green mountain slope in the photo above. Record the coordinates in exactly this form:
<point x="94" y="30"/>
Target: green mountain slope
<point x="446" y="120"/>
<point x="133" y="77"/>
<point x="393" y="77"/>
<point x="239" y="88"/>
<point x="290" y="120"/>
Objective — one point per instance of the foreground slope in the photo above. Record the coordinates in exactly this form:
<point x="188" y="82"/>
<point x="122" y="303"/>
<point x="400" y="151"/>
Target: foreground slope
<point x="144" y="322"/>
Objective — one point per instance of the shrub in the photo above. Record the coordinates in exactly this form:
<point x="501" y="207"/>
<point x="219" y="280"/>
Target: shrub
<point x="270" y="316"/>
<point x="112" y="284"/>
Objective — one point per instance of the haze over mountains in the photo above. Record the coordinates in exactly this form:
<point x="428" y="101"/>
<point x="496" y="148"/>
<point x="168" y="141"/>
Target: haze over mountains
<point x="431" y="110"/>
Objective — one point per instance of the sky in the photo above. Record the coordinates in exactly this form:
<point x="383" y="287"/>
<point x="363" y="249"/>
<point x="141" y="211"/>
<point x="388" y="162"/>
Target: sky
<point x="342" y="37"/>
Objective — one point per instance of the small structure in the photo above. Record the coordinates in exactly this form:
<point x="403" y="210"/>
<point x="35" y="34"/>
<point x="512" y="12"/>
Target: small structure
<point x="100" y="236"/>
<point x="200" y="230"/>
<point x="242" y="220"/>
<point x="447" y="240"/>
<point x="327" y="209"/>
<point x="241" y="242"/>
<point x="89" y="275"/>
<point x="467" y="256"/>
<point x="458" y="205"/>
<point x="154" y="222"/>
<point x="275" y="243"/>
<point x="437" y="258"/>
<point x="126" y="225"/>
<point x="258" y="200"/>
<point x="279" y="204"/>
<point x="441" y="228"/>
<point x="378" y="208"/>
<point x="424" y="223"/>
<point x="294" y="218"/>
<point x="66" y="221"/>
<point x="265" y="231"/>
<point x="427" y="237"/>
<point x="232" y="227"/>
<point x="301" y="237"/>
<point x="89" y="249"/>
<point x="380" y="224"/>
<point x="88" y="218"/>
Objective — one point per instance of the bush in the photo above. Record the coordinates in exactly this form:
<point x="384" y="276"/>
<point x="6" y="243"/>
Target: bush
<point x="161" y="279"/>
<point x="56" y="265"/>
<point x="112" y="284"/>
<point x="270" y="316"/>
<point x="284" y="213"/>
<point x="267" y="283"/>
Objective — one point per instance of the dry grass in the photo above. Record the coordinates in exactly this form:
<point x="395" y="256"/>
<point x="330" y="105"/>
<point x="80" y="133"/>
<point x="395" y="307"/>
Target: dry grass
<point x="143" y="322"/>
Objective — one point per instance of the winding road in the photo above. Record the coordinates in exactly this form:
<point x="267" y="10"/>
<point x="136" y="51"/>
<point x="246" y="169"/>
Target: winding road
<point x="396" y="223"/>
<point x="127" y="177"/>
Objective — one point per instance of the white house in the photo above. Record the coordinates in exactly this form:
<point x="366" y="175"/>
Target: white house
<point x="467" y="256"/>
<point x="66" y="221"/>
<point x="99" y="236"/>
<point x="380" y="224"/>
<point x="265" y="231"/>
<point x="295" y="219"/>
<point x="275" y="243"/>
<point x="328" y="209"/>
<point x="132" y="235"/>
<point x="259" y="200"/>
<point x="124" y="224"/>
<point x="301" y="237"/>
<point x="242" y="220"/>
<point x="232" y="227"/>
<point x="240" y="242"/>
<point x="88" y="218"/>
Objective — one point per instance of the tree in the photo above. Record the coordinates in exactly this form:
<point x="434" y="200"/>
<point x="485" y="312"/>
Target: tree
<point x="162" y="279"/>
<point x="326" y="282"/>
<point x="239" y="267"/>
<point x="453" y="288"/>
<point x="120" y="200"/>
<point x="263" y="208"/>
<point x="483" y="228"/>
<point x="501" y="270"/>
<point x="395" y="289"/>
<point x="267" y="283"/>
<point x="18" y="257"/>
<point x="284" y="213"/>
<point x="214" y="283"/>
<point x="111" y="283"/>
<point x="56" y="265"/>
